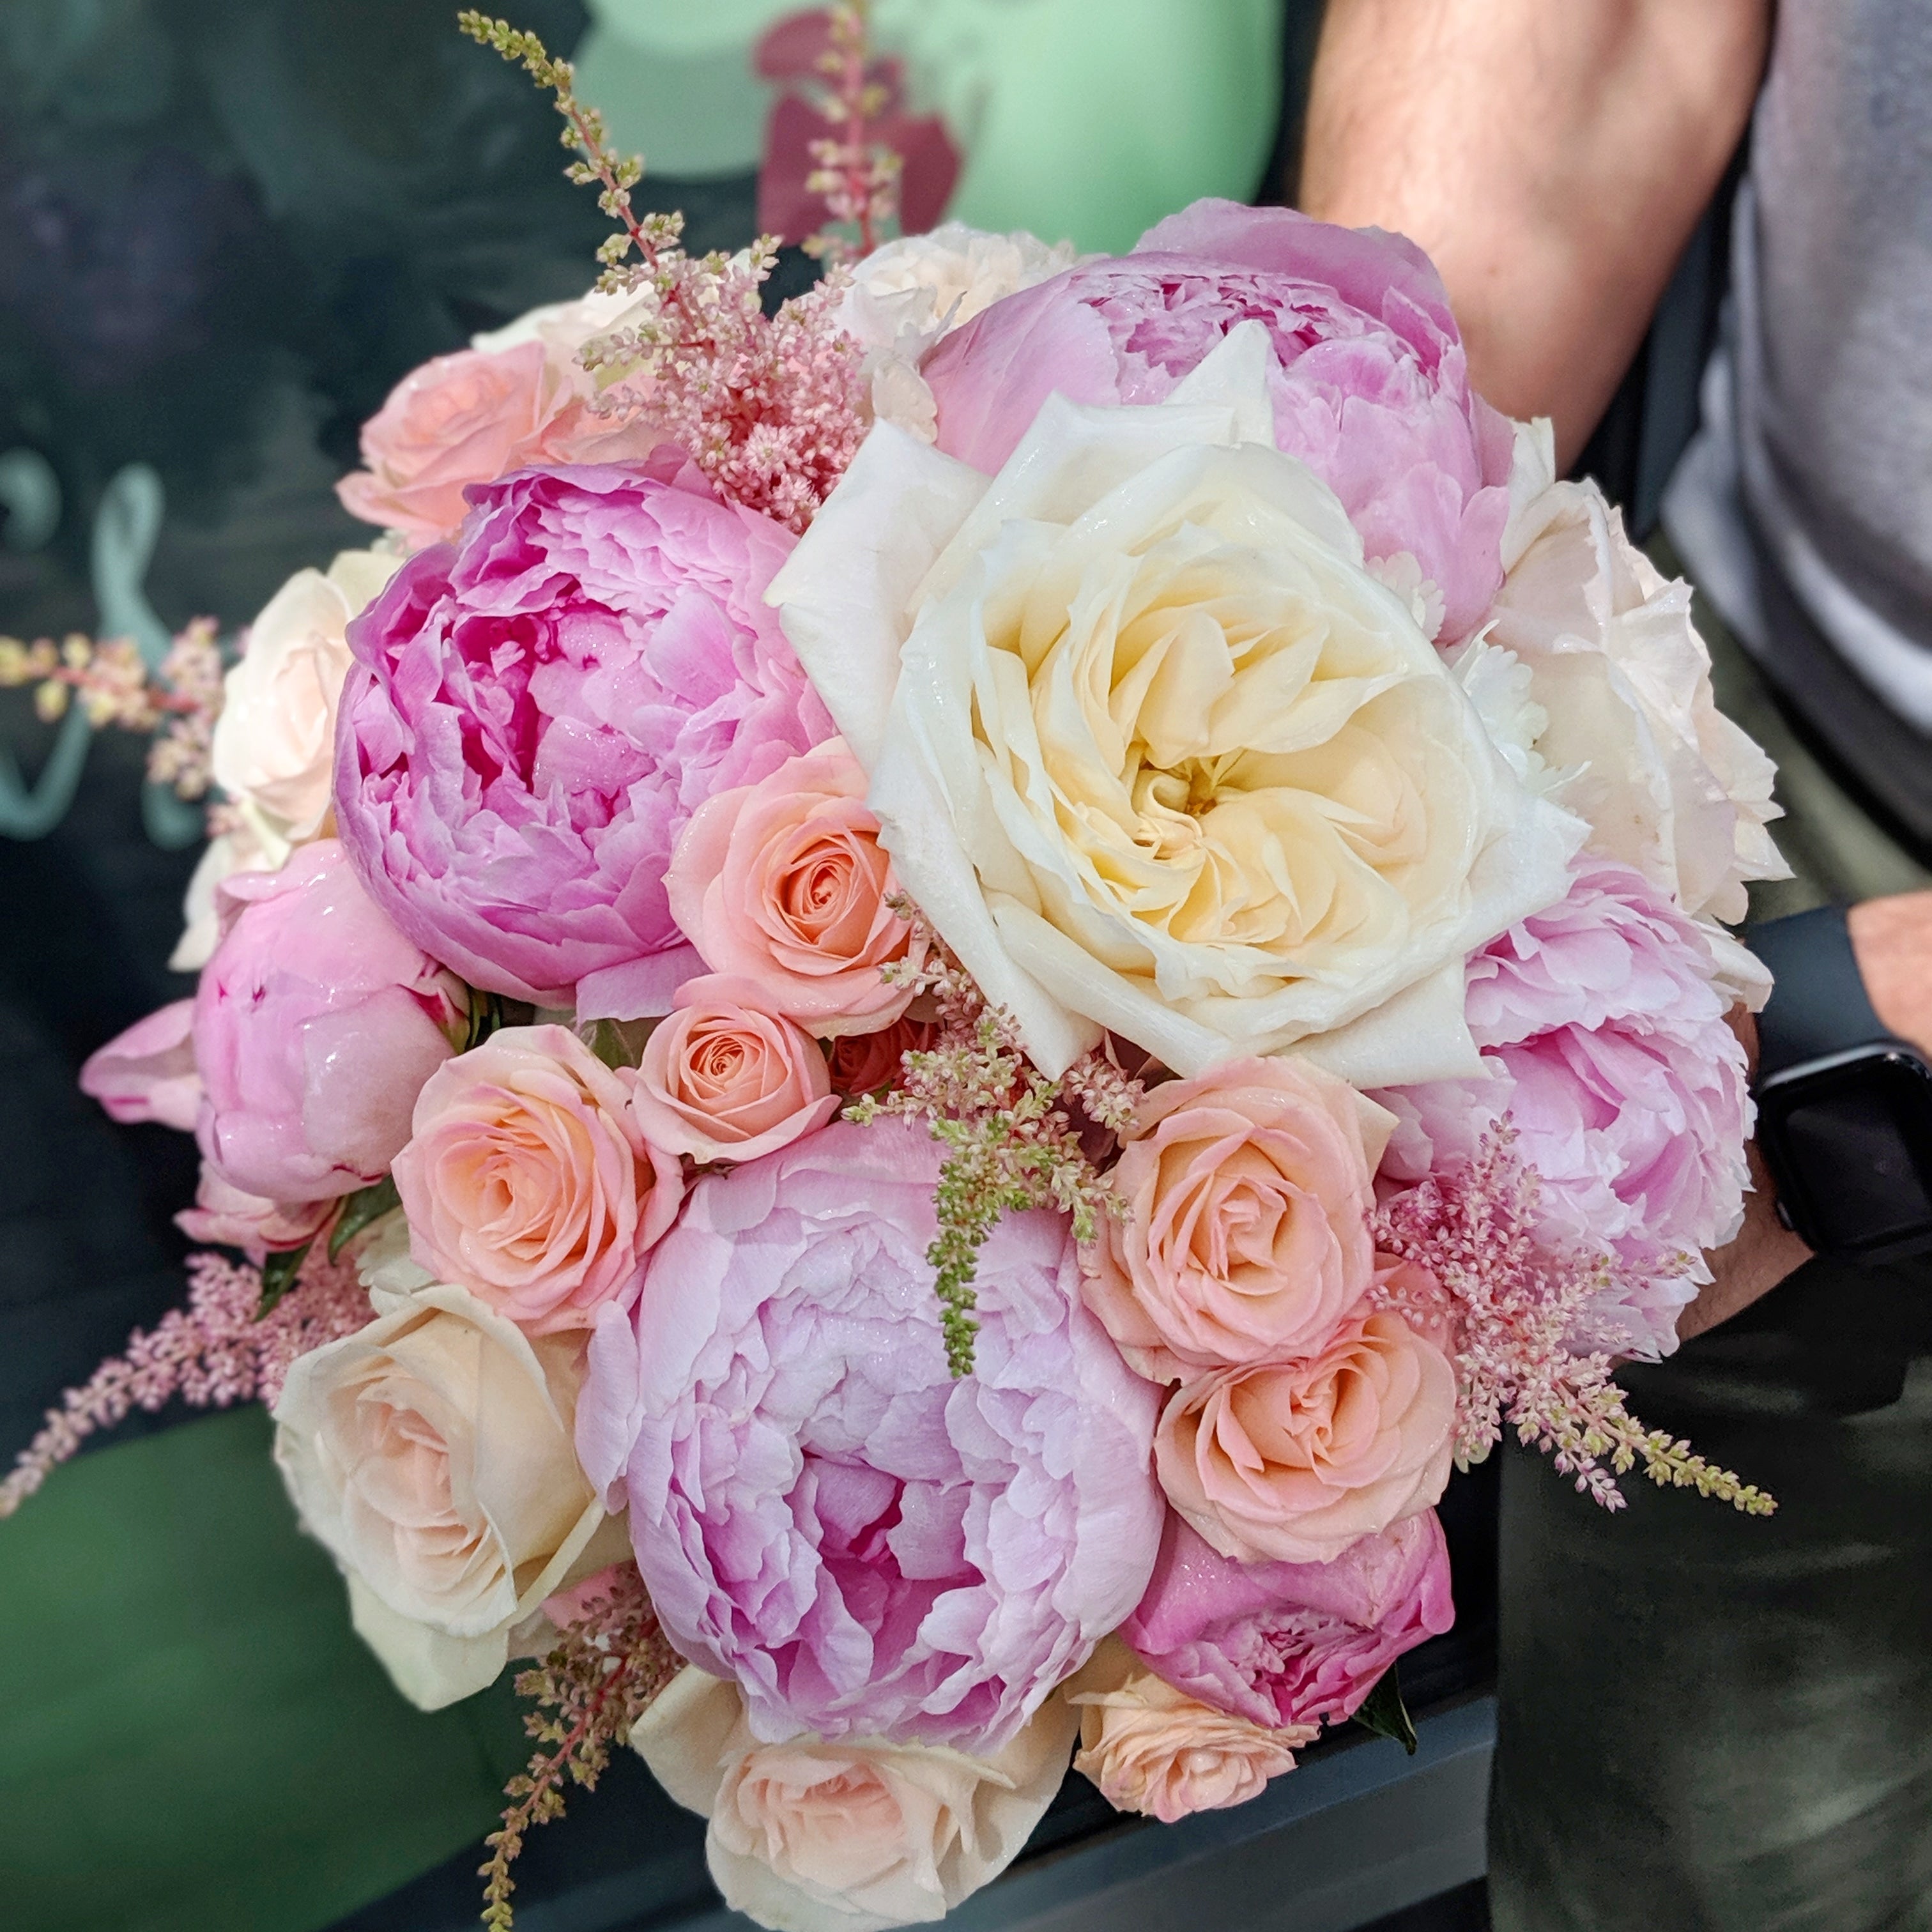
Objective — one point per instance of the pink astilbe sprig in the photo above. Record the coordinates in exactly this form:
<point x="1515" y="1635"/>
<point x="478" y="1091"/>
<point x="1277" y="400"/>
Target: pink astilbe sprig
<point x="1509" y="1303"/>
<point x="1014" y="1139"/>
<point x="769" y="407"/>
<point x="858" y="175"/>
<point x="213" y="1353"/>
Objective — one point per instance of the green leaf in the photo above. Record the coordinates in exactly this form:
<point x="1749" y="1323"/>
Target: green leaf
<point x="278" y="1275"/>
<point x="617" y="1043"/>
<point x="1386" y="1714"/>
<point x="359" y="1209"/>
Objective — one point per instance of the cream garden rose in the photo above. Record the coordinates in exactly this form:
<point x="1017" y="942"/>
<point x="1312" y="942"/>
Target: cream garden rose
<point x="1152" y="748"/>
<point x="1669" y="784"/>
<point x="850" y="1835"/>
<point x="430" y="1453"/>
<point x="274" y="737"/>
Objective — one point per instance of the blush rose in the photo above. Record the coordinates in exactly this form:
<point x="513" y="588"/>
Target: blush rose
<point x="785" y="884"/>
<point x="527" y="1181"/>
<point x="1292" y="1462"/>
<point x="723" y="1079"/>
<point x="1154" y="1749"/>
<point x="1246" y="1237"/>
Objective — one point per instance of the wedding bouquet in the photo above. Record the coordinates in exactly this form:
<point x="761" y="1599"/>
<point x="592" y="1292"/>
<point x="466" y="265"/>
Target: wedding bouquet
<point x="912" y="1009"/>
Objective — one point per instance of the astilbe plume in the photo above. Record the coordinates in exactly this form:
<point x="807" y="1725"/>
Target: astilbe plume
<point x="1014" y="1139"/>
<point x="769" y="407"/>
<point x="609" y="1662"/>
<point x="858" y="176"/>
<point x="109" y="680"/>
<point x="218" y="1351"/>
<point x="1510" y="1301"/>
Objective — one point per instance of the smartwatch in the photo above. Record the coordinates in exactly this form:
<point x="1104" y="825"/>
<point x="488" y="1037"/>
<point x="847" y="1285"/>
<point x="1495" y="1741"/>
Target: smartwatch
<point x="1844" y="1118"/>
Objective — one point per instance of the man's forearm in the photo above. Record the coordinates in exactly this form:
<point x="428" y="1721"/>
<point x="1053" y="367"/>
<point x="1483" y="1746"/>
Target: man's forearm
<point x="1552" y="155"/>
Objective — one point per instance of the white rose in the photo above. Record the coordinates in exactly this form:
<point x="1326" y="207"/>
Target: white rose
<point x="239" y="850"/>
<point x="430" y="1454"/>
<point x="1668" y="783"/>
<point x="904" y="296"/>
<point x="853" y="1835"/>
<point x="563" y="328"/>
<point x="274" y="740"/>
<point x="1155" y="752"/>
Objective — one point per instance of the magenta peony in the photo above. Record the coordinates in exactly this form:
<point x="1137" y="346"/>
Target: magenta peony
<point x="315" y="1025"/>
<point x="1606" y="1039"/>
<point x="536" y="711"/>
<point x="1290" y="1643"/>
<point x="870" y="1547"/>
<point x="1373" y="391"/>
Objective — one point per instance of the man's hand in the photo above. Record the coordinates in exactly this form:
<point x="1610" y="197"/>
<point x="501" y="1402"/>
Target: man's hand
<point x="1552" y="155"/>
<point x="1892" y="938"/>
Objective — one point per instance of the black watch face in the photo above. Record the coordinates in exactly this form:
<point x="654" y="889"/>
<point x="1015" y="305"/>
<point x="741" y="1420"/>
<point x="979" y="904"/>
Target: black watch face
<point x="1850" y="1143"/>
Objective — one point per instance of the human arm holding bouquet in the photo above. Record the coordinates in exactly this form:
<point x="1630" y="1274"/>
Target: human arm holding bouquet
<point x="1553" y="160"/>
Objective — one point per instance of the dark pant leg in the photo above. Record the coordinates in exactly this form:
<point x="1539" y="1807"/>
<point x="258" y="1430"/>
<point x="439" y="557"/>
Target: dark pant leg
<point x="1712" y="1723"/>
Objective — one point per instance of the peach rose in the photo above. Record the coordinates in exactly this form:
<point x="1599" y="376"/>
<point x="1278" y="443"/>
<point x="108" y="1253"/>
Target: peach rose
<point x="1291" y="1462"/>
<point x="785" y="883"/>
<point x="723" y="1079"/>
<point x="526" y="1180"/>
<point x="1245" y="1238"/>
<point x="851" y="1835"/>
<point x="1153" y="1749"/>
<point x="471" y="418"/>
<point x="430" y="1454"/>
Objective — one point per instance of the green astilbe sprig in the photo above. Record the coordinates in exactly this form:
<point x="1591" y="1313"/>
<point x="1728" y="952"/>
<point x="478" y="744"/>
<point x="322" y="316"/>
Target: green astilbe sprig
<point x="1014" y="1137"/>
<point x="609" y="1662"/>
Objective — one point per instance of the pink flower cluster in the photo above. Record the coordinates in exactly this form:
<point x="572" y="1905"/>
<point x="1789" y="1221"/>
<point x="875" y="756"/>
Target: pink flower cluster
<point x="1610" y="1055"/>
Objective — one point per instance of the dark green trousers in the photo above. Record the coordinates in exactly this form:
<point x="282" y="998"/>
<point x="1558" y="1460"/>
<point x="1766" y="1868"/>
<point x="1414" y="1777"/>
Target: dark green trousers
<point x="1712" y="1723"/>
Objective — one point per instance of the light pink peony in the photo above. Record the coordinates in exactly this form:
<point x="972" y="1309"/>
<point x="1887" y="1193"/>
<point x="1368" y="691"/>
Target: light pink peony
<point x="469" y="419"/>
<point x="725" y="1079"/>
<point x="1605" y="1033"/>
<point x="1372" y="392"/>
<point x="526" y="1181"/>
<point x="785" y="883"/>
<point x="1246" y="1237"/>
<point x="1292" y="1462"/>
<point x="1150" y="1748"/>
<point x="315" y="1025"/>
<point x="535" y="713"/>
<point x="148" y="1073"/>
<point x="223" y="1214"/>
<point x="869" y="1546"/>
<point x="1292" y="1643"/>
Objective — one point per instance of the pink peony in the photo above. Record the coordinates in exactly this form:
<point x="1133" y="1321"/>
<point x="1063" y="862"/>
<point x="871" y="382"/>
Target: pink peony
<point x="536" y="712"/>
<point x="1292" y="1643"/>
<point x="315" y="1025"/>
<point x="1605" y="1033"/>
<point x="820" y="1511"/>
<point x="1372" y="392"/>
<point x="148" y="1073"/>
<point x="469" y="419"/>
<point x="526" y="1180"/>
<point x="725" y="1079"/>
<point x="785" y="883"/>
<point x="230" y="1219"/>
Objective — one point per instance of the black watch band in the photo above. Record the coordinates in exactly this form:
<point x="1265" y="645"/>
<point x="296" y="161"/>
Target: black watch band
<point x="1844" y="1107"/>
<point x="1819" y="1006"/>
